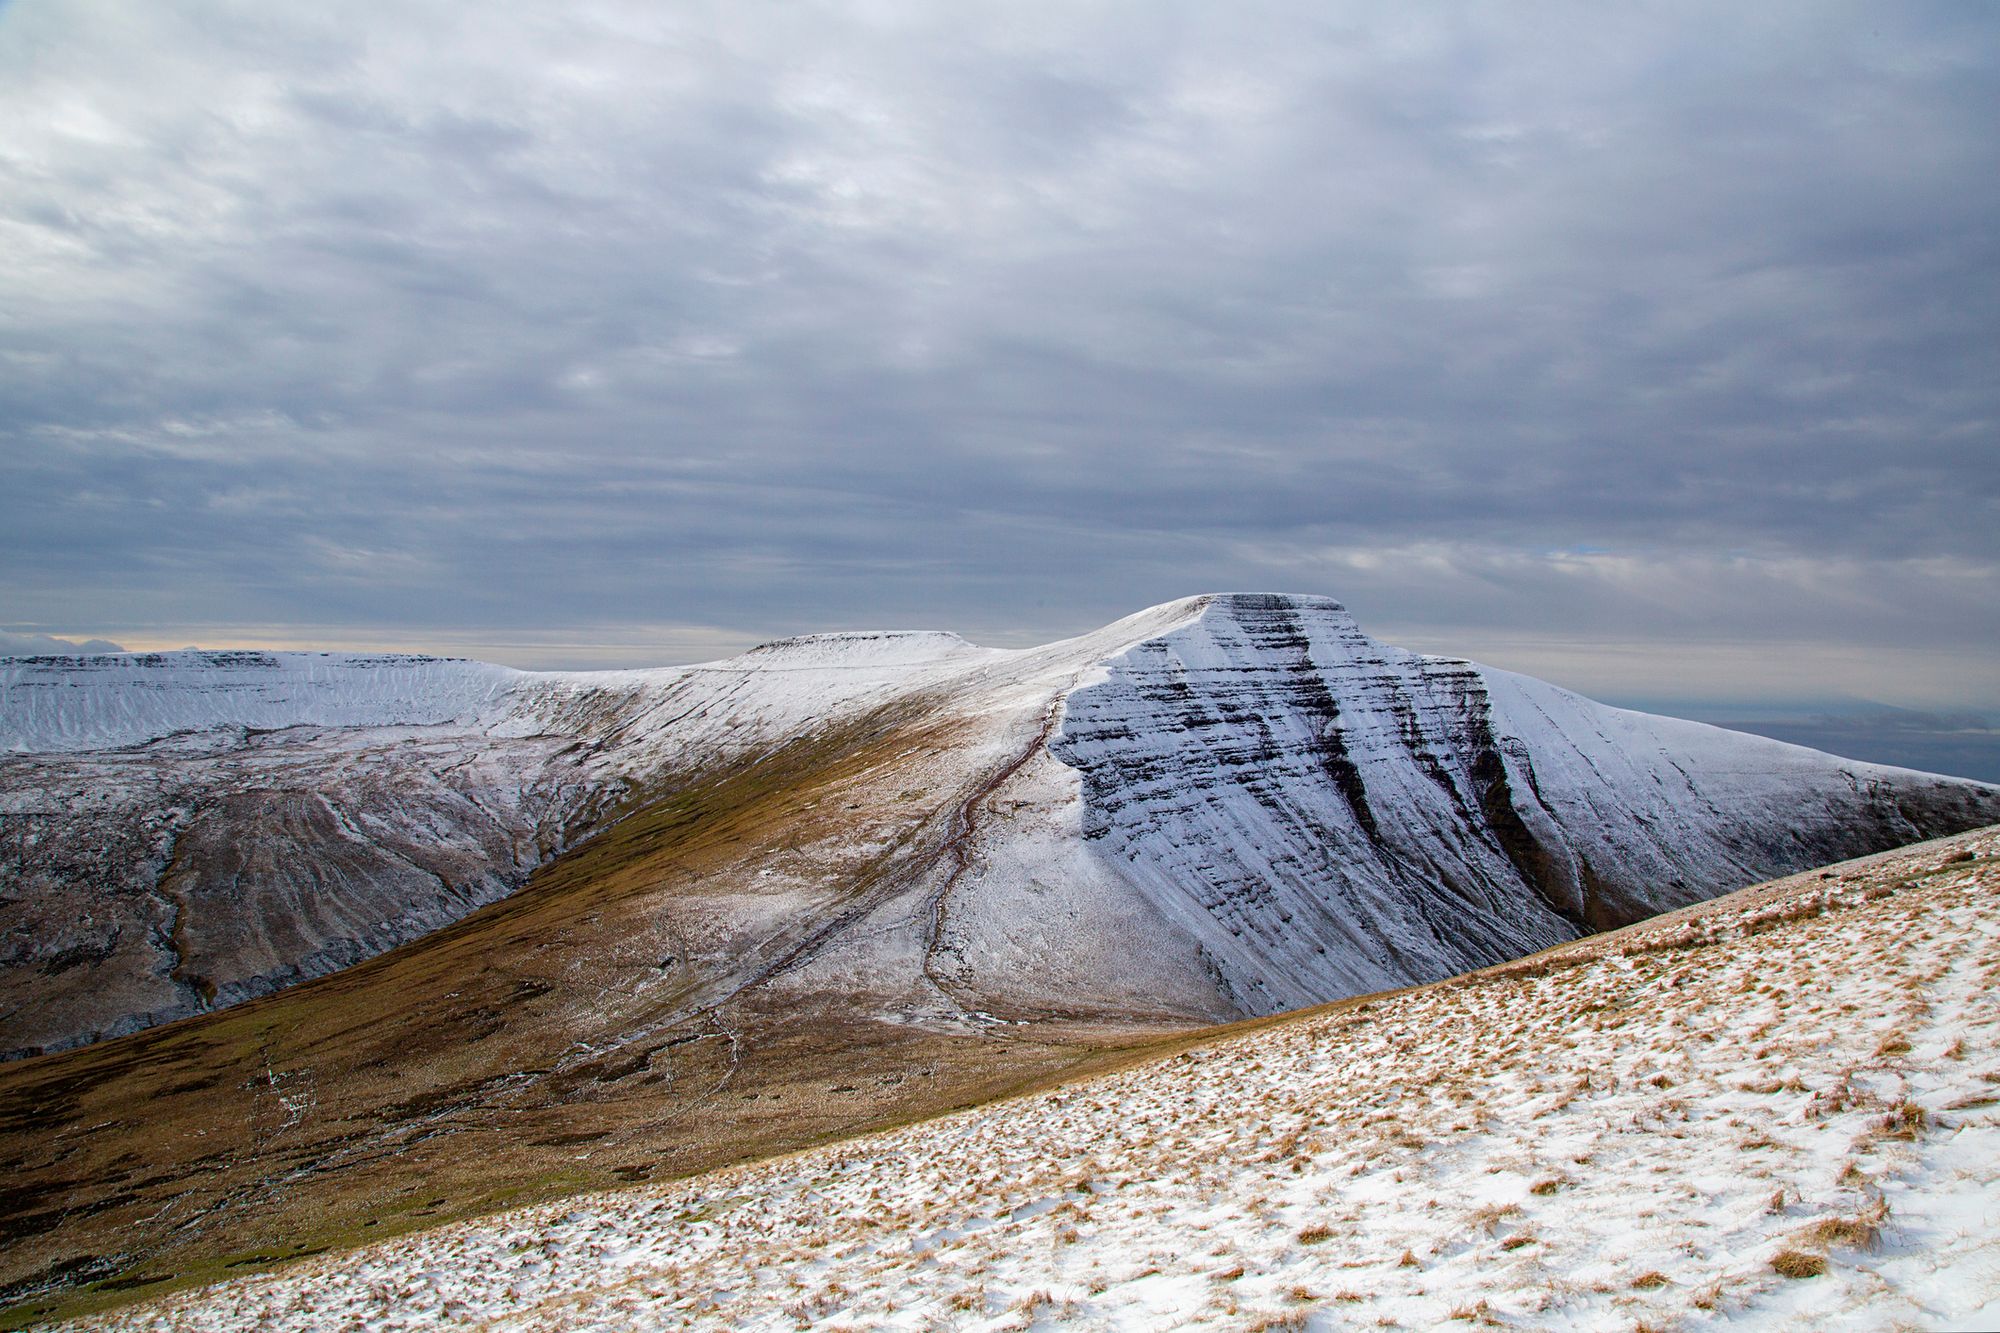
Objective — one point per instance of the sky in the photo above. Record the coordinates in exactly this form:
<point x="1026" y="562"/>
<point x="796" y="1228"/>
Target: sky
<point x="1651" y="348"/>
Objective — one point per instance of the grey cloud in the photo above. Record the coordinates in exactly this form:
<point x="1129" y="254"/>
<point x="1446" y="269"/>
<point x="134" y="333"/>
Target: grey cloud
<point x="1003" y="318"/>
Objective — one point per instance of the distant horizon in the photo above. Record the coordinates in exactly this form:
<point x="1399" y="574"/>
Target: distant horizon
<point x="1669" y="678"/>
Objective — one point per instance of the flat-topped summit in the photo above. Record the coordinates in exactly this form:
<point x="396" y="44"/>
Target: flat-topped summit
<point x="109" y="700"/>
<point x="859" y="648"/>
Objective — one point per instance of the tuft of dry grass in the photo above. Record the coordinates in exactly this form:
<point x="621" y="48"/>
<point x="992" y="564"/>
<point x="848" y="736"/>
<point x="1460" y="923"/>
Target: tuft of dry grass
<point x="1907" y="1121"/>
<point x="1315" y="1234"/>
<point x="1272" y="1323"/>
<point x="1892" y="1043"/>
<point x="1650" y="1279"/>
<point x="1798" y="1264"/>
<point x="1033" y="1301"/>
<point x="1861" y="1231"/>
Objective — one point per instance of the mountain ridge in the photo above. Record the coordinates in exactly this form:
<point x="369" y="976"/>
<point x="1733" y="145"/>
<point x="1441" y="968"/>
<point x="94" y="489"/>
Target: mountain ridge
<point x="735" y="911"/>
<point x="1258" y="778"/>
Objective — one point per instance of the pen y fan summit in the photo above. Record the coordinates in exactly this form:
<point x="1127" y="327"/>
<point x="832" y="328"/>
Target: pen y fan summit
<point x="1221" y="806"/>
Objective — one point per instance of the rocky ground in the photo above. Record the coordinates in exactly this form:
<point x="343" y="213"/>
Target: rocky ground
<point x="1780" y="1109"/>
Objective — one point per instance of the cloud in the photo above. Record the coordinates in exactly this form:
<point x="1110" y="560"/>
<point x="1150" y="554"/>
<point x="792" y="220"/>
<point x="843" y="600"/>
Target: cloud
<point x="423" y="319"/>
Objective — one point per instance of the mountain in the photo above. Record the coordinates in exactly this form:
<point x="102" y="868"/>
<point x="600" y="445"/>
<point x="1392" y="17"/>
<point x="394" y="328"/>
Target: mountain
<point x="1774" y="1110"/>
<point x="1284" y="810"/>
<point x="629" y="925"/>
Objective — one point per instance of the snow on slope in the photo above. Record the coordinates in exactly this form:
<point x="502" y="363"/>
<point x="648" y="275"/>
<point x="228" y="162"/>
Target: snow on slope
<point x="1329" y="815"/>
<point x="105" y="701"/>
<point x="114" y="700"/>
<point x="189" y="830"/>
<point x="1779" y="1110"/>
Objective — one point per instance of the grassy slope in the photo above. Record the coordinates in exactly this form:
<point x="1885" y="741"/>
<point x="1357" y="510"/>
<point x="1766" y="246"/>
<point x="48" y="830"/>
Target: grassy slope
<point x="529" y="1051"/>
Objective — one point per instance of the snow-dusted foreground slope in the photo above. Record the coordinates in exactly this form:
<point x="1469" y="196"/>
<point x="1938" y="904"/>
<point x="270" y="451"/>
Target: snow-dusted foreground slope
<point x="1779" y="1110"/>
<point x="1221" y="806"/>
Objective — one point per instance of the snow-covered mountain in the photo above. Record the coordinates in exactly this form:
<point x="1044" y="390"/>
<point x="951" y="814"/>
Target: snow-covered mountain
<point x="1225" y="805"/>
<point x="737" y="909"/>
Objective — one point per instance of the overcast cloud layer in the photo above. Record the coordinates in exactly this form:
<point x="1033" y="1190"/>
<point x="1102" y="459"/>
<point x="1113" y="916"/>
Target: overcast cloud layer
<point x="1652" y="348"/>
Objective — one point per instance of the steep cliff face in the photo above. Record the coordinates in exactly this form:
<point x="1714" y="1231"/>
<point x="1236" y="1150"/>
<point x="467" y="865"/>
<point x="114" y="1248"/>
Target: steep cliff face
<point x="144" y="884"/>
<point x="1329" y="815"/>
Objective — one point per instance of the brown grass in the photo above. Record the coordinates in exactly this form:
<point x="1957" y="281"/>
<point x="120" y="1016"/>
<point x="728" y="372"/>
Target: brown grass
<point x="1272" y="1323"/>
<point x="1489" y="1216"/>
<point x="1798" y="1264"/>
<point x="1861" y="1231"/>
<point x="1907" y="1121"/>
<point x="1893" y="1043"/>
<point x="422" y="1115"/>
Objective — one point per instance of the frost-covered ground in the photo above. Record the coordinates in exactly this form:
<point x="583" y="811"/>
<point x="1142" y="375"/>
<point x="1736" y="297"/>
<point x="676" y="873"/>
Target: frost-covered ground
<point x="1638" y="1131"/>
